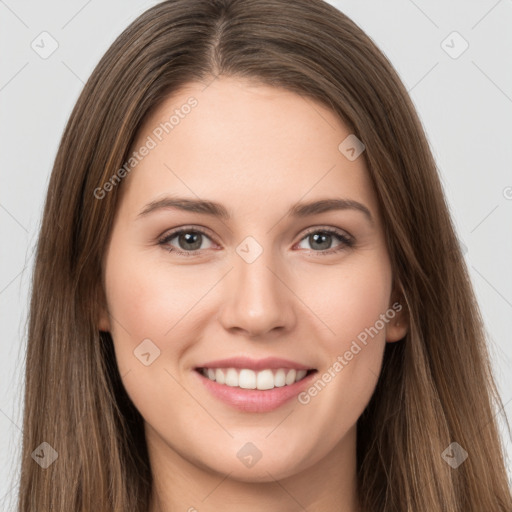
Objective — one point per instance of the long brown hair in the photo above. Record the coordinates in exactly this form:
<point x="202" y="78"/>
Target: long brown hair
<point x="436" y="385"/>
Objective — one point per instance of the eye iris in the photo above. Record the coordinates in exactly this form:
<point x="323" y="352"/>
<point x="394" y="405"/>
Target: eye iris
<point x="323" y="237"/>
<point x="190" y="238"/>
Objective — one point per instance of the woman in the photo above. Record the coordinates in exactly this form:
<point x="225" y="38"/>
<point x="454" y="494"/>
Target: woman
<point x="191" y="347"/>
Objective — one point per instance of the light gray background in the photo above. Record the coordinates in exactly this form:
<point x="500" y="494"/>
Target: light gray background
<point x="465" y="104"/>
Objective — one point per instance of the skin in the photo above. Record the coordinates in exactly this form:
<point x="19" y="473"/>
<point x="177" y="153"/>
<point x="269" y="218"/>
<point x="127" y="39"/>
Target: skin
<point x="257" y="150"/>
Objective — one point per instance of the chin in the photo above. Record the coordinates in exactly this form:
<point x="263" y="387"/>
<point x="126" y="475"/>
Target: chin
<point x="241" y="468"/>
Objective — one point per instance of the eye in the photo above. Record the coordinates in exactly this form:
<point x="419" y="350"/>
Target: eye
<point x="189" y="241"/>
<point x="321" y="240"/>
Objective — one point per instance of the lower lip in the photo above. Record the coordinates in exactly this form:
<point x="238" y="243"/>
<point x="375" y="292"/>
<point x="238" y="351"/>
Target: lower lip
<point x="255" y="400"/>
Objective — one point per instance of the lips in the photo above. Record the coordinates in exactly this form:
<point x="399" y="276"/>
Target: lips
<point x="254" y="385"/>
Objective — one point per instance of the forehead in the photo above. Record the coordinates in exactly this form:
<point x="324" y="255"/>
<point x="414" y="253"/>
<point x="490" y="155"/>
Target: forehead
<point x="244" y="144"/>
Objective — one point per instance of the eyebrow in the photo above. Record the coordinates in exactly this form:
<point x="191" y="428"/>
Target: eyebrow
<point x="298" y="210"/>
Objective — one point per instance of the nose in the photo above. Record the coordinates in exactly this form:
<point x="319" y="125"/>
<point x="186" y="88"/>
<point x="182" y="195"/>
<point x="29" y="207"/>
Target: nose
<point x="258" y="300"/>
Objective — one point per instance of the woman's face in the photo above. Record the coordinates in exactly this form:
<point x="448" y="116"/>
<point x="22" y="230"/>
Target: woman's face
<point x="259" y="276"/>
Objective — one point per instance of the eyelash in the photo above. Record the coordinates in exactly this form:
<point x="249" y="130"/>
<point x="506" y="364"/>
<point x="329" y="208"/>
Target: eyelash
<point x="347" y="242"/>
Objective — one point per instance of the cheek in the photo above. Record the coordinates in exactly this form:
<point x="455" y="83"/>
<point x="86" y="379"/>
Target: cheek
<point x="348" y="299"/>
<point x="351" y="306"/>
<point x="148" y="308"/>
<point x="144" y="303"/>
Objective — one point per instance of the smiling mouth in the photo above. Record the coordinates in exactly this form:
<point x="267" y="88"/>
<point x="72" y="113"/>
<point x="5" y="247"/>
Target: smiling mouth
<point x="246" y="378"/>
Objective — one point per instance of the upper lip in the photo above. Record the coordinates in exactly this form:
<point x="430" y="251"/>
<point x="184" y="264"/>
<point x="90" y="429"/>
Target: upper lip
<point x="254" y="364"/>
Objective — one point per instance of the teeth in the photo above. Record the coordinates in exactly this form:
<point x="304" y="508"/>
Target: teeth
<point x="265" y="380"/>
<point x="249" y="379"/>
<point x="290" y="377"/>
<point x="231" y="377"/>
<point x="280" y="378"/>
<point x="219" y="376"/>
<point x="300" y="375"/>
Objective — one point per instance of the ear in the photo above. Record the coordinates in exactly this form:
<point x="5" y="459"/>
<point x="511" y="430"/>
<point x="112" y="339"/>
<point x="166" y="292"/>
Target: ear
<point x="103" y="318"/>
<point x="398" y="325"/>
<point x="103" y="321"/>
